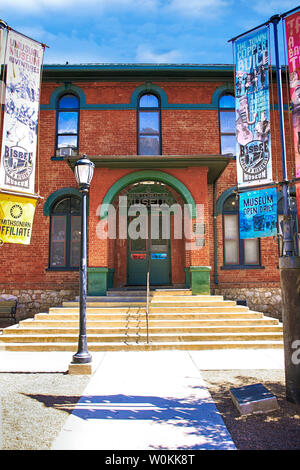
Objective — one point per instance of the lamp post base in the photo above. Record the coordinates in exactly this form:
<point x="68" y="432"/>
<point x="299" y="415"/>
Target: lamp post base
<point x="82" y="358"/>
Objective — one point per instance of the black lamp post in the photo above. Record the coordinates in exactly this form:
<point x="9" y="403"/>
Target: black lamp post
<point x="83" y="170"/>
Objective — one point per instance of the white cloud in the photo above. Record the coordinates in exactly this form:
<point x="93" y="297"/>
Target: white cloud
<point x="271" y="7"/>
<point x="146" y="55"/>
<point x="196" y="8"/>
<point x="73" y="6"/>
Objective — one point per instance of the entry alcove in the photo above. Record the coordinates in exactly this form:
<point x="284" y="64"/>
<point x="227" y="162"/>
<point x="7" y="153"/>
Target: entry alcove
<point x="152" y="215"/>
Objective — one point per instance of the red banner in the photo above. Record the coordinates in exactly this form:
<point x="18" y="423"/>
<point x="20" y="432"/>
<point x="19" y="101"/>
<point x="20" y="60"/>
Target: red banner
<point x="292" y="26"/>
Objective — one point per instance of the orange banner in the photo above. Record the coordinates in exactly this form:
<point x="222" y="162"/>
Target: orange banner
<point x="292" y="26"/>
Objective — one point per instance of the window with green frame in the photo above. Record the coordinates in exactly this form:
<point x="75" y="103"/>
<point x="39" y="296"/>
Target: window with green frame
<point x="65" y="234"/>
<point x="237" y="252"/>
<point x="148" y="125"/>
<point x="227" y="124"/>
<point x="67" y="125"/>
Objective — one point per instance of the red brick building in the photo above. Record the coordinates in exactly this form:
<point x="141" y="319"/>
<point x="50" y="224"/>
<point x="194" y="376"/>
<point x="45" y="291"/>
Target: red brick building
<point x="157" y="134"/>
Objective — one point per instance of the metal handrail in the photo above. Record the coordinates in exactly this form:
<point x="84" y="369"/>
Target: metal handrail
<point x="148" y="297"/>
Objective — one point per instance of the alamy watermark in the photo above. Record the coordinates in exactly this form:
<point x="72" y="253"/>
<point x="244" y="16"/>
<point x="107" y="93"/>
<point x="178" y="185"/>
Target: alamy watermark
<point x="139" y="221"/>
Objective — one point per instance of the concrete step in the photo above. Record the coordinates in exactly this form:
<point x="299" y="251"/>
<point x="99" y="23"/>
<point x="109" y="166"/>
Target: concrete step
<point x="153" y="303"/>
<point x="33" y="329"/>
<point x="153" y="308"/>
<point x="153" y="292"/>
<point x="194" y="346"/>
<point x="155" y="338"/>
<point x="118" y="322"/>
<point x="159" y="323"/>
<point x="104" y="315"/>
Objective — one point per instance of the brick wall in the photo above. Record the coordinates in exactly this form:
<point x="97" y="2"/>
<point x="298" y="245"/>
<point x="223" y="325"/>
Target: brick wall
<point x="113" y="132"/>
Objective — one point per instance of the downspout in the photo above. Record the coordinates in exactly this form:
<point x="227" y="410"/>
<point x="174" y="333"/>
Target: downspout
<point x="215" y="232"/>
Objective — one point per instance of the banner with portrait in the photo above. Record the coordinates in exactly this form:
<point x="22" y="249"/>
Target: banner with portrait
<point x="292" y="27"/>
<point x="24" y="59"/>
<point x="16" y="219"/>
<point x="253" y="145"/>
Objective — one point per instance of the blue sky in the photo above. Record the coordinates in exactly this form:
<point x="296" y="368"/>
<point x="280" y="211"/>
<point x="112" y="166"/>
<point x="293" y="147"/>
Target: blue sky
<point x="138" y="31"/>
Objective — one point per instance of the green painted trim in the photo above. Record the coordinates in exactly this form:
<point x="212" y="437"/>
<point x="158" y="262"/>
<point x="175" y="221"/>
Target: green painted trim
<point x="187" y="277"/>
<point x="61" y="90"/>
<point x="63" y="192"/>
<point x="120" y="67"/>
<point x="227" y="87"/>
<point x="125" y="106"/>
<point x="222" y="199"/>
<point x="221" y="90"/>
<point x="152" y="175"/>
<point x="149" y="88"/>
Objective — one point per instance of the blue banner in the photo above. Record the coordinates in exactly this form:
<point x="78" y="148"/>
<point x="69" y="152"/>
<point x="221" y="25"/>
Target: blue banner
<point x="253" y="146"/>
<point x="258" y="213"/>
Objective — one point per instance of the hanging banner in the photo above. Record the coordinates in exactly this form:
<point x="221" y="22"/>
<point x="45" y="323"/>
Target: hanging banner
<point x="24" y="59"/>
<point x="16" y="219"/>
<point x="258" y="213"/>
<point x="292" y="27"/>
<point x="3" y="40"/>
<point x="253" y="146"/>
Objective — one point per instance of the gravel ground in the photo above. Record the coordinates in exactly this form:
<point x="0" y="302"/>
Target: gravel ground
<point x="34" y="408"/>
<point x="276" y="430"/>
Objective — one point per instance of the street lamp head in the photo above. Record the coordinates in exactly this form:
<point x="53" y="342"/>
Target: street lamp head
<point x="84" y="170"/>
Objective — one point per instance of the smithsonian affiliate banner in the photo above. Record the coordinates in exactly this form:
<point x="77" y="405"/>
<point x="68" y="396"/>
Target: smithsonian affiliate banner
<point x="16" y="218"/>
<point x="253" y="146"/>
<point x="258" y="213"/>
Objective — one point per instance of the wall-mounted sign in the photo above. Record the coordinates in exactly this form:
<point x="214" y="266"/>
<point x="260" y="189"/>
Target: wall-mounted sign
<point x="138" y="255"/>
<point x="159" y="255"/>
<point x="258" y="213"/>
<point x="16" y="219"/>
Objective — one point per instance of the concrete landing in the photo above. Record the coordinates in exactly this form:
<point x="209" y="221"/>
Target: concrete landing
<point x="141" y="401"/>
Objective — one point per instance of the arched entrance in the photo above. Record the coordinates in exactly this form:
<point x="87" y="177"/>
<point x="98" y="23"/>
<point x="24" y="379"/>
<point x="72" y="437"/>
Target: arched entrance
<point x="149" y="234"/>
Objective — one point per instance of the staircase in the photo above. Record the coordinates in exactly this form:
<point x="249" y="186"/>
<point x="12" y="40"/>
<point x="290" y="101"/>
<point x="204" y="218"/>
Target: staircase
<point x="117" y="322"/>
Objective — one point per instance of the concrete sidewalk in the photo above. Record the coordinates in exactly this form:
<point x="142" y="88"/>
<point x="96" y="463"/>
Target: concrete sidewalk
<point x="145" y="400"/>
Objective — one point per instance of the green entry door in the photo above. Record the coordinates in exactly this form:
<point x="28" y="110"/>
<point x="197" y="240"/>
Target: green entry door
<point x="151" y="247"/>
